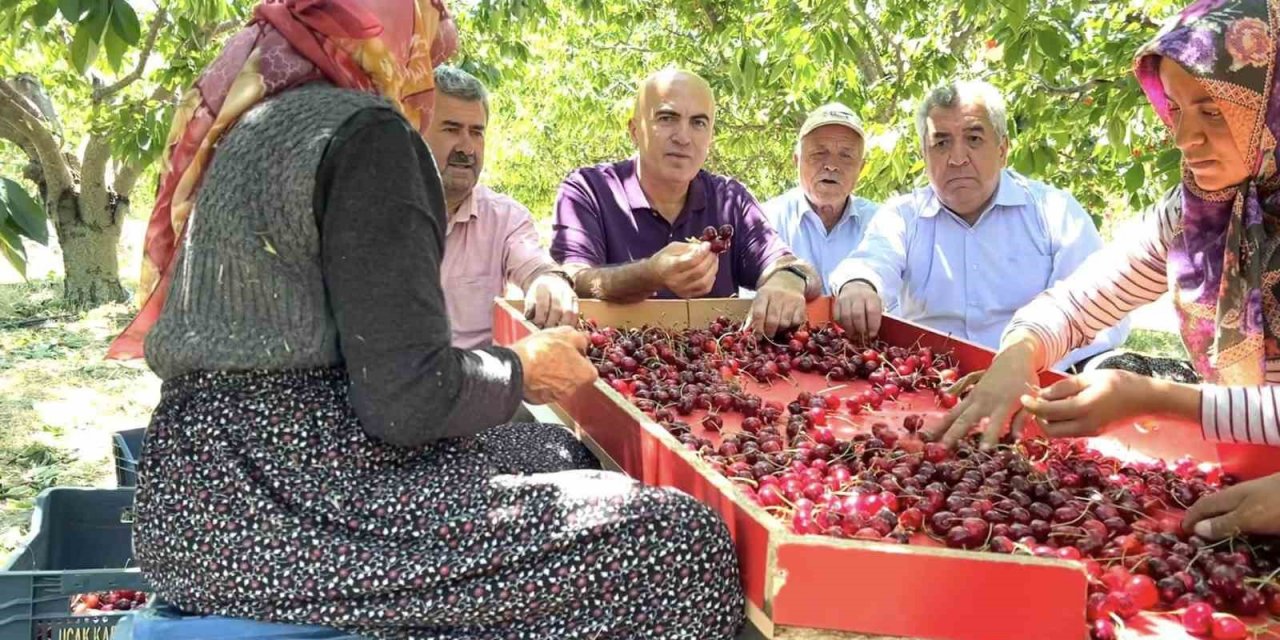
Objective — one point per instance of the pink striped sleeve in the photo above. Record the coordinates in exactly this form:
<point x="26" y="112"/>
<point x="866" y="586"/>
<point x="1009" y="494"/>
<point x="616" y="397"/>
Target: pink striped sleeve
<point x="1246" y="415"/>
<point x="1123" y="276"/>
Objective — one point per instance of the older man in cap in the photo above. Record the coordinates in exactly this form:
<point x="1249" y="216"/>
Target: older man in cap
<point x="821" y="219"/>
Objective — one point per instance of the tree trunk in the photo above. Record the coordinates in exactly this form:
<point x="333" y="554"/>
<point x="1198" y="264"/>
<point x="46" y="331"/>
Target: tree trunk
<point x="89" y="262"/>
<point x="86" y="211"/>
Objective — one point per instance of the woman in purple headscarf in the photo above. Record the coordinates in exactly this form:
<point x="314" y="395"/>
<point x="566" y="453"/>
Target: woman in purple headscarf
<point x="1212" y="242"/>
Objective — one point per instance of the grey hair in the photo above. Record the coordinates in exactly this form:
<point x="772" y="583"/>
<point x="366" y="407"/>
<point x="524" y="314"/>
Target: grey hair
<point x="452" y="81"/>
<point x="954" y="93"/>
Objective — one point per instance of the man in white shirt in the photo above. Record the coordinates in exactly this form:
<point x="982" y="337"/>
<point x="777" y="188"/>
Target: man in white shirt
<point x="964" y="253"/>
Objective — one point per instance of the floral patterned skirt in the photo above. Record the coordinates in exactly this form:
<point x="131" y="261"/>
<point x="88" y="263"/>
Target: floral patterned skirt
<point x="260" y="496"/>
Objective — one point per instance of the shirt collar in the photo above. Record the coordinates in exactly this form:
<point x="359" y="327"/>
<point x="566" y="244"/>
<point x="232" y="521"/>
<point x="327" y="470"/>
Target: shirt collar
<point x="851" y="208"/>
<point x="466" y="211"/>
<point x="1008" y="194"/>
<point x="695" y="200"/>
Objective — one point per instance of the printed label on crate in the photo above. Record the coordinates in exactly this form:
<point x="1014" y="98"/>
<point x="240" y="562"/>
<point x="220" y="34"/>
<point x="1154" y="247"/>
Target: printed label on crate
<point x="80" y="628"/>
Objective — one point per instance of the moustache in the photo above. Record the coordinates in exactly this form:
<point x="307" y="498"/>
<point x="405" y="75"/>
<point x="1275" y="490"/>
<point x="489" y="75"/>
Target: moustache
<point x="460" y="159"/>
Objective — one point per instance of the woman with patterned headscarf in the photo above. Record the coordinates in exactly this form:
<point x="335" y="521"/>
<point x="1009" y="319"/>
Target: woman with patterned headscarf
<point x="1211" y="75"/>
<point x="320" y="453"/>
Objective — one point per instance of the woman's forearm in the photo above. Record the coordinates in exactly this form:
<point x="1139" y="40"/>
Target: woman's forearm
<point x="1167" y="400"/>
<point x="1026" y="345"/>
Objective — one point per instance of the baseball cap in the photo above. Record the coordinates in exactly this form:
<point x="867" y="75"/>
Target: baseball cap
<point x="832" y="113"/>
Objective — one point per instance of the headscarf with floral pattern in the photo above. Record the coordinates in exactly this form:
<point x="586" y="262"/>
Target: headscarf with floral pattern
<point x="1223" y="266"/>
<point x="388" y="47"/>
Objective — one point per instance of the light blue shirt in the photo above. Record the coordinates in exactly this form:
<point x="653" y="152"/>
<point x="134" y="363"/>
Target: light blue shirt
<point x="932" y="268"/>
<point x="803" y="230"/>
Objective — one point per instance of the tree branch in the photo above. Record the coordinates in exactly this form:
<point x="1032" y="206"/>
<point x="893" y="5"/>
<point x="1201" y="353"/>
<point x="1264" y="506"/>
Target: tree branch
<point x="960" y="39"/>
<point x="38" y="102"/>
<point x="160" y="19"/>
<point x="1074" y="89"/>
<point x="11" y="133"/>
<point x="32" y="169"/>
<point x="868" y="26"/>
<point x="867" y="62"/>
<point x="712" y="20"/>
<point x="18" y="101"/>
<point x="614" y="48"/>
<point x="221" y="28"/>
<point x="1142" y="20"/>
<point x="127" y="178"/>
<point x="16" y="112"/>
<point x="94" y="199"/>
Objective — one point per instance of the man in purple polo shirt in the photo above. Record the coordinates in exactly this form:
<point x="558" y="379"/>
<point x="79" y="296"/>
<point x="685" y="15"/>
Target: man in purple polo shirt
<point x="621" y="229"/>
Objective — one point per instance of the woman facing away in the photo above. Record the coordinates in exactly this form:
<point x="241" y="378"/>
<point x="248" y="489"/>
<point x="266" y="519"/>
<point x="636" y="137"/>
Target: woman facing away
<point x="320" y="453"/>
<point x="1211" y="76"/>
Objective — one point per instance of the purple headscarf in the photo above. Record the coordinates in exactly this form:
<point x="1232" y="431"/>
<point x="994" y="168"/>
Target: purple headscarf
<point x="1223" y="267"/>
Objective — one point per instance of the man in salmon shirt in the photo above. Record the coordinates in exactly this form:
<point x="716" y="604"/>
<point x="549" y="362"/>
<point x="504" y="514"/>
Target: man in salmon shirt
<point x="490" y="240"/>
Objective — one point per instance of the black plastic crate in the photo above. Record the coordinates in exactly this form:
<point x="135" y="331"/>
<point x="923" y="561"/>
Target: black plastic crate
<point x="81" y="542"/>
<point x="127" y="447"/>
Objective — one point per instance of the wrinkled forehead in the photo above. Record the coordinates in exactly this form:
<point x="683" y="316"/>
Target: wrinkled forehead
<point x="679" y="93"/>
<point x="832" y="136"/>
<point x="459" y="109"/>
<point x="965" y="116"/>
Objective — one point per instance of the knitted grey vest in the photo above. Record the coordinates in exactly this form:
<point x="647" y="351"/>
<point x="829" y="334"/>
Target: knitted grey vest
<point x="247" y="292"/>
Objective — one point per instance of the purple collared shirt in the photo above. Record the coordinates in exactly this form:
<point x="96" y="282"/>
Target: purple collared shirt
<point x="603" y="218"/>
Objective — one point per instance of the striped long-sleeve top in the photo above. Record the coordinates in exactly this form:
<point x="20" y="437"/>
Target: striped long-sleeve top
<point x="1128" y="273"/>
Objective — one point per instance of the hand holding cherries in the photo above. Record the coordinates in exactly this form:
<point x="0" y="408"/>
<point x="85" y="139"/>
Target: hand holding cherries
<point x="720" y="239"/>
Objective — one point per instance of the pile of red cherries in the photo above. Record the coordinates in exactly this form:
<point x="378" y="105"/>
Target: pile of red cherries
<point x="1056" y="499"/>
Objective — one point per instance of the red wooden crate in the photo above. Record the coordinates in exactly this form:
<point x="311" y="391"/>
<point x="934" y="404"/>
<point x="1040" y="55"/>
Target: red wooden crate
<point x="818" y="586"/>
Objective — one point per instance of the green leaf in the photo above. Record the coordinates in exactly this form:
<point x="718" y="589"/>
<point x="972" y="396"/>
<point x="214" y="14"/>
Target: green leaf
<point x="84" y="48"/>
<point x="71" y="10"/>
<point x="1168" y="161"/>
<point x="1050" y="43"/>
<point x="84" y="45"/>
<point x="124" y="22"/>
<point x="1134" y="177"/>
<point x="96" y="19"/>
<point x="25" y="213"/>
<point x="43" y="12"/>
<point x="11" y="247"/>
<point x="1014" y="52"/>
<point x="115" y="47"/>
<point x="1023" y="161"/>
<point x="1115" y="136"/>
<point x="1017" y="12"/>
<point x="1045" y="158"/>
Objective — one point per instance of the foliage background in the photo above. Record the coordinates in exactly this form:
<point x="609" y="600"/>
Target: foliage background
<point x="563" y="74"/>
